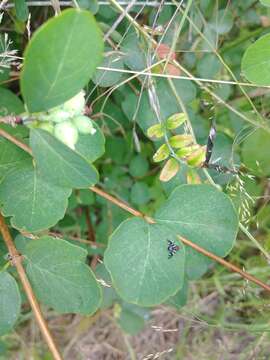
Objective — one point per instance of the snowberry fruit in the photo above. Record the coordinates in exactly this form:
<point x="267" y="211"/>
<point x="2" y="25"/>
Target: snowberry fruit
<point x="83" y="125"/>
<point x="75" y="106"/>
<point x="67" y="133"/>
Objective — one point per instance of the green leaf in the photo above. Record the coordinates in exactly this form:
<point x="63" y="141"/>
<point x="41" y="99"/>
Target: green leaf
<point x="137" y="259"/>
<point x="138" y="166"/>
<point x="180" y="298"/>
<point x="209" y="66"/>
<point x="91" y="147"/>
<point x="60" y="277"/>
<point x="203" y="215"/>
<point x="21" y="10"/>
<point x="107" y="78"/>
<point x="255" y="153"/>
<point x="222" y="21"/>
<point x="10" y="104"/>
<point x="73" y="171"/>
<point x="60" y="59"/>
<point x="10" y="302"/>
<point x="256" y="61"/>
<point x="32" y="203"/>
<point x="140" y="193"/>
<point x="91" y="5"/>
<point x="134" y="52"/>
<point x="11" y="157"/>
<point x="132" y="318"/>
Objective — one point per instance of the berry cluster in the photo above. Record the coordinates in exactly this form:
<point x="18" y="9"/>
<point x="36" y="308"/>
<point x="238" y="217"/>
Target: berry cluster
<point x="66" y="121"/>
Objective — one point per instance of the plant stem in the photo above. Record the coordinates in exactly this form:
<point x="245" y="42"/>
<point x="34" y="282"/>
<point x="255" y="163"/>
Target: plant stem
<point x="15" y="141"/>
<point x="17" y="260"/>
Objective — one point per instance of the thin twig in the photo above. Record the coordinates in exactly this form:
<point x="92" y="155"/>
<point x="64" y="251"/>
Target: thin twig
<point x="91" y="233"/>
<point x="17" y="260"/>
<point x="15" y="141"/>
<point x="137" y="213"/>
<point x="181" y="77"/>
<point x="116" y="201"/>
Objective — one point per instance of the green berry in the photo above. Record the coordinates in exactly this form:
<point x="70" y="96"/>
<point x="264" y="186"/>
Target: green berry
<point x="46" y="125"/>
<point x="83" y="125"/>
<point x="75" y="106"/>
<point x="67" y="133"/>
<point x="58" y="115"/>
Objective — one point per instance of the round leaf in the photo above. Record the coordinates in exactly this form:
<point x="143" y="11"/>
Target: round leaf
<point x="256" y="61"/>
<point x="33" y="203"/>
<point x="60" y="59"/>
<point x="140" y="193"/>
<point x="10" y="302"/>
<point x="137" y="259"/>
<point x="60" y="277"/>
<point x="73" y="170"/>
<point x="138" y="166"/>
<point x="204" y="215"/>
<point x="91" y="147"/>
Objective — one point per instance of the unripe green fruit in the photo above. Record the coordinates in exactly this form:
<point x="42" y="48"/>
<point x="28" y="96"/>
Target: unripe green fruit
<point x="84" y="125"/>
<point x="58" y="116"/>
<point x="67" y="133"/>
<point x="75" y="106"/>
<point x="45" y="125"/>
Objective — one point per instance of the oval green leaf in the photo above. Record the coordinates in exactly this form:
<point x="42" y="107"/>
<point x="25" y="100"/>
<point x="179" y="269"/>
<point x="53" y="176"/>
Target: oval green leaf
<point x="60" y="277"/>
<point x="256" y="61"/>
<point x="204" y="215"/>
<point x="59" y="164"/>
<point x="10" y="104"/>
<point x="10" y="302"/>
<point x="60" y="59"/>
<point x="21" y="10"/>
<point x="255" y="152"/>
<point x="33" y="203"/>
<point x="91" y="147"/>
<point x="137" y="259"/>
<point x="12" y="157"/>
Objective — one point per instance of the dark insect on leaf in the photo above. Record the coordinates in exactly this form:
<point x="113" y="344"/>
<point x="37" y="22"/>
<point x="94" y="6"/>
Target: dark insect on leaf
<point x="172" y="248"/>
